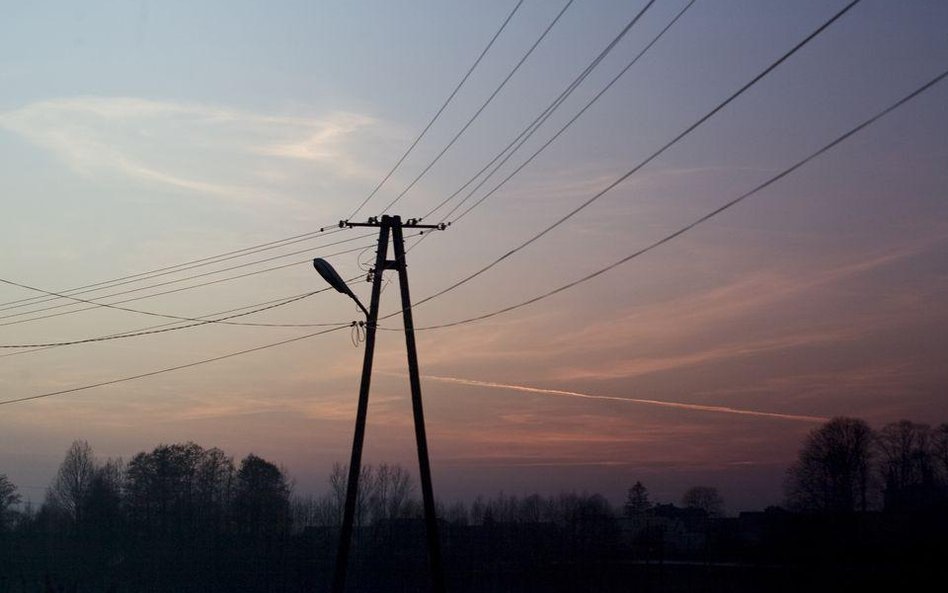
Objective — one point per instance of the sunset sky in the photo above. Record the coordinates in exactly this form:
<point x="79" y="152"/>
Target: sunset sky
<point x="140" y="135"/>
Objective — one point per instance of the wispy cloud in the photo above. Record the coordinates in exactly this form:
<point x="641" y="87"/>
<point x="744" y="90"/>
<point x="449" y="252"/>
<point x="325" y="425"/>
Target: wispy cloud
<point x="641" y="365"/>
<point x="697" y="328"/>
<point x="203" y="149"/>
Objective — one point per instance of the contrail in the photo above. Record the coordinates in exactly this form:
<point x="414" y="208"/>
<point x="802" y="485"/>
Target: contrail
<point x="630" y="400"/>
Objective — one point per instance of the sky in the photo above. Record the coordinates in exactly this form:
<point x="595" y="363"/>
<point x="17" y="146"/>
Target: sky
<point x="140" y="135"/>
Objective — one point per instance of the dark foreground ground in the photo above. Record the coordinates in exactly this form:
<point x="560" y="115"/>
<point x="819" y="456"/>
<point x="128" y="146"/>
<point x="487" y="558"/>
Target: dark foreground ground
<point x="761" y="552"/>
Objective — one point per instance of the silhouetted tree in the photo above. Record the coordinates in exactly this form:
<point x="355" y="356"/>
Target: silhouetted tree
<point x="637" y="503"/>
<point x="833" y="470"/>
<point x="388" y="489"/>
<point x="478" y="510"/>
<point x="704" y="498"/>
<point x="587" y="522"/>
<point x="907" y="465"/>
<point x="532" y="509"/>
<point x="261" y="498"/>
<point x="456" y="514"/>
<point x="103" y="503"/>
<point x="180" y="487"/>
<point x="336" y="498"/>
<point x="214" y="489"/>
<point x="161" y="486"/>
<point x="73" y="482"/>
<point x="8" y="498"/>
<point x="384" y="493"/>
<point x="940" y="453"/>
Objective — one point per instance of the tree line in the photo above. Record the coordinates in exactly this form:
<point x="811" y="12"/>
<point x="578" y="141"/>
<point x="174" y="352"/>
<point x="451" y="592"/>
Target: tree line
<point x="182" y="488"/>
<point x="172" y="490"/>
<point x="845" y="466"/>
<point x="182" y="518"/>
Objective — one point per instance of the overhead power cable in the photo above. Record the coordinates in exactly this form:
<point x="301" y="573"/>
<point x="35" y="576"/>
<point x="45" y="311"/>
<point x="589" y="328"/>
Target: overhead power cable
<point x="440" y="110"/>
<point x="638" y="253"/>
<point x="329" y="229"/>
<point x="928" y="85"/>
<point x="173" y="368"/>
<point x="280" y="242"/>
<point x="559" y="132"/>
<point x="136" y="334"/>
<point x="670" y="237"/>
<point x="112" y="305"/>
<point x="647" y="160"/>
<point x="175" y="323"/>
<point x="198" y="321"/>
<point x="209" y="260"/>
<point x="541" y="118"/>
<point x="55" y="296"/>
<point x="480" y="109"/>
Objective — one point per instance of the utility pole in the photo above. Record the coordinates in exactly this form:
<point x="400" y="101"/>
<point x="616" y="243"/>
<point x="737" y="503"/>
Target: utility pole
<point x="389" y="226"/>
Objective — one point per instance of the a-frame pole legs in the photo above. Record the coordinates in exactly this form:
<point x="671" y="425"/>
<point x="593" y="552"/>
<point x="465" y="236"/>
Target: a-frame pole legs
<point x="355" y="463"/>
<point x="431" y="525"/>
<point x="388" y="225"/>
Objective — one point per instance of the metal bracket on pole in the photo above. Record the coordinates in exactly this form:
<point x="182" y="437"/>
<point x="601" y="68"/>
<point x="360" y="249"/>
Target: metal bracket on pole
<point x="390" y="225"/>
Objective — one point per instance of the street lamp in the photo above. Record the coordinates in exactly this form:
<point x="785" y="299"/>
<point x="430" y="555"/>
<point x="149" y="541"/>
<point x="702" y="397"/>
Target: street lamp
<point x="331" y="276"/>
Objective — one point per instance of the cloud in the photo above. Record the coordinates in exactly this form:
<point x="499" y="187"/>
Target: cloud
<point x="642" y="365"/>
<point x="698" y="328"/>
<point x="207" y="150"/>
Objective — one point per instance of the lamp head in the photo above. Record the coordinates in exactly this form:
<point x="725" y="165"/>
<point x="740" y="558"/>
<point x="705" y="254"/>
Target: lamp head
<point x="330" y="275"/>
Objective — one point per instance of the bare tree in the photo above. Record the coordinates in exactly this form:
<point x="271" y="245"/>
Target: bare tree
<point x="834" y="467"/>
<point x="479" y="512"/>
<point x="73" y="482"/>
<point x="705" y="498"/>
<point x="531" y="509"/>
<point x="907" y="464"/>
<point x="456" y="514"/>
<point x="8" y="498"/>
<point x="390" y="487"/>
<point x="384" y="493"/>
<point x="305" y="510"/>
<point x="637" y="503"/>
<point x="336" y="498"/>
<point x="940" y="453"/>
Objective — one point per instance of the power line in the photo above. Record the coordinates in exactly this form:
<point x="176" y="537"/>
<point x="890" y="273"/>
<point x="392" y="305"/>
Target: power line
<point x="76" y="299"/>
<point x="268" y="245"/>
<point x="171" y="369"/>
<point x="177" y="267"/>
<point x="541" y="118"/>
<point x="168" y="329"/>
<point x="634" y="255"/>
<point x="667" y="238"/>
<point x="96" y="304"/>
<point x="560" y="131"/>
<point x="303" y="236"/>
<point x="438" y="114"/>
<point x="197" y="321"/>
<point x="173" y="323"/>
<point x="481" y="108"/>
<point x="71" y="295"/>
<point x="638" y="253"/>
<point x="639" y="166"/>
